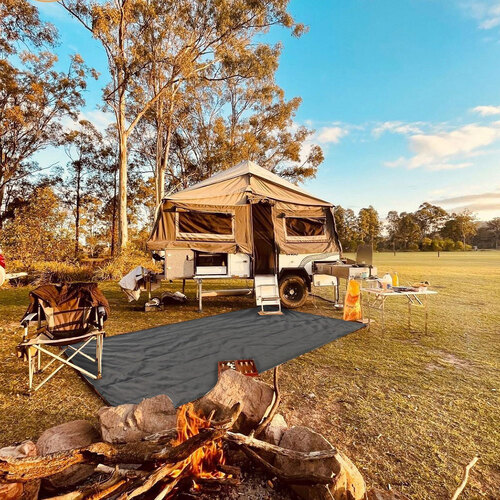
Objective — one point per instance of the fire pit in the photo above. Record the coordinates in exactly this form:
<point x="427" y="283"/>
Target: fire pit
<point x="215" y="451"/>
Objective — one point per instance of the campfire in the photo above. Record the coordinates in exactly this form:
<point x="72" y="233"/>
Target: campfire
<point x="204" y="465"/>
<point x="215" y="447"/>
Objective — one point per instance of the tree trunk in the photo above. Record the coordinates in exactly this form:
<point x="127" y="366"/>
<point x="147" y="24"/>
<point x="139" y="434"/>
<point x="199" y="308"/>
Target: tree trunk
<point x="2" y="194"/>
<point x="122" y="206"/>
<point x="77" y="211"/>
<point x="113" y="215"/>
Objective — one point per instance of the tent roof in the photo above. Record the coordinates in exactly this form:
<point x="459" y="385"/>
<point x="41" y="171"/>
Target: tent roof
<point x="245" y="178"/>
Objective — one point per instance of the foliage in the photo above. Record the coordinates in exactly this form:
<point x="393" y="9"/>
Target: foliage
<point x="460" y="227"/>
<point x="156" y="49"/>
<point x="369" y="225"/>
<point x="38" y="230"/>
<point x="34" y="96"/>
<point x="128" y="259"/>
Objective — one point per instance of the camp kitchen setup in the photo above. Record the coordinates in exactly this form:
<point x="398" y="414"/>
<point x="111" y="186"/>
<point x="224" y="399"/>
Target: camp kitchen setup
<point x="248" y="223"/>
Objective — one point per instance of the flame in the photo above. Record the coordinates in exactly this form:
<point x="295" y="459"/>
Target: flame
<point x="204" y="461"/>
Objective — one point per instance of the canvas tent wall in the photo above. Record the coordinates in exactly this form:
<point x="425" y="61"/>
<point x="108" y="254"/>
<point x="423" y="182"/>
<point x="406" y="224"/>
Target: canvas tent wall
<point x="215" y="215"/>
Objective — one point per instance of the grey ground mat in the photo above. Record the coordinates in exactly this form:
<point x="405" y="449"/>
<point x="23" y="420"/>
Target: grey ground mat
<point x="180" y="359"/>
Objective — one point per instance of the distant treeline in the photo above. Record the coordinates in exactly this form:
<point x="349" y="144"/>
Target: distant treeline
<point x="430" y="228"/>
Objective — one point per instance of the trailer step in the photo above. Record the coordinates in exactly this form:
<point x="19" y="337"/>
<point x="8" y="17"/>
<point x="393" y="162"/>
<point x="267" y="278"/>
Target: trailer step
<point x="267" y="293"/>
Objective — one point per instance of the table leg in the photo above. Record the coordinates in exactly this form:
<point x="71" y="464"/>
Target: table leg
<point x="383" y="318"/>
<point x="369" y="313"/>
<point x="200" y="299"/>
<point x="409" y="315"/>
<point x="426" y="306"/>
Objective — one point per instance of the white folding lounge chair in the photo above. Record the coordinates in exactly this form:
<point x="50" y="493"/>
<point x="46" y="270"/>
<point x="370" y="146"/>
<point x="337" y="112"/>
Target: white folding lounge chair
<point x="70" y="326"/>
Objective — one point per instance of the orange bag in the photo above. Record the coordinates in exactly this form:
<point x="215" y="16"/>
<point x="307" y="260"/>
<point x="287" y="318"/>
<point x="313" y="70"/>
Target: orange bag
<point x="352" y="302"/>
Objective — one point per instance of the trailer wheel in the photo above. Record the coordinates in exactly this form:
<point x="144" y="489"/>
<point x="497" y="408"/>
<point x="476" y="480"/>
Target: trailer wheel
<point x="293" y="291"/>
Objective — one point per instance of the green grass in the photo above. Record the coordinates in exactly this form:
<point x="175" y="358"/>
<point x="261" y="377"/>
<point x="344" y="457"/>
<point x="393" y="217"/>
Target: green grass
<point x="409" y="409"/>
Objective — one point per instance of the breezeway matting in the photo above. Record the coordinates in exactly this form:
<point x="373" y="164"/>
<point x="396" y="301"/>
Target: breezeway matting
<point x="180" y="359"/>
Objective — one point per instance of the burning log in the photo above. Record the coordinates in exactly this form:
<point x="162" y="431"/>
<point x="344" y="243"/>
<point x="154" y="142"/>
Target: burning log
<point x="26" y="469"/>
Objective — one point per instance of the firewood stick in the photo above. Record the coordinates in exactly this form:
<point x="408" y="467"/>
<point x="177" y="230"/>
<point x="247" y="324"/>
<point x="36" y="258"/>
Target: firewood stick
<point x="168" y="434"/>
<point x="273" y="407"/>
<point x="127" y="473"/>
<point x="228" y="423"/>
<point x="252" y="442"/>
<point x="233" y="481"/>
<point x="95" y="491"/>
<point x="465" y="479"/>
<point x="287" y="478"/>
<point x="28" y="468"/>
<point x="155" y="477"/>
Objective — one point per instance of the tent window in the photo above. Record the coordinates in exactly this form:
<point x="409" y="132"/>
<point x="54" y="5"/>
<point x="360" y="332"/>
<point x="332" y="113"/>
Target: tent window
<point x="305" y="227"/>
<point x="205" y="224"/>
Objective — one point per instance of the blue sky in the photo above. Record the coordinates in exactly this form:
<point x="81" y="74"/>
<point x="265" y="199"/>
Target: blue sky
<point x="404" y="96"/>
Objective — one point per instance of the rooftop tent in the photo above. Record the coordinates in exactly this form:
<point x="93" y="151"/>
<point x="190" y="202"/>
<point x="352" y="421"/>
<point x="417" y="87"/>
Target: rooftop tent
<point x="219" y="214"/>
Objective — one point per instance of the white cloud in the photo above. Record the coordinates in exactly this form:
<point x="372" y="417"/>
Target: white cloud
<point x="487" y="12"/>
<point x="333" y="135"/>
<point x="487" y="110"/>
<point x="396" y="128"/>
<point x="446" y="150"/>
<point x="100" y="119"/>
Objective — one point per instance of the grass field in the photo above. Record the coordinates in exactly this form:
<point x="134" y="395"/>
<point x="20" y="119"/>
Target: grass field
<point x="409" y="409"/>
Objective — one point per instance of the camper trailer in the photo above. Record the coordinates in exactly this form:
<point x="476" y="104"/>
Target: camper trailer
<point x="246" y="222"/>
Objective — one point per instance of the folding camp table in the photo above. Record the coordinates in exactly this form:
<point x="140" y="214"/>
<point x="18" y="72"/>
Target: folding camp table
<point x="376" y="298"/>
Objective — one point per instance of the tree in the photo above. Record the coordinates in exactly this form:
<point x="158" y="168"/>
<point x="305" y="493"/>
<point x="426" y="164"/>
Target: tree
<point x="21" y="24"/>
<point x="430" y="218"/>
<point x="38" y="230"/>
<point x="346" y="224"/>
<point x="87" y="151"/>
<point x="34" y="97"/>
<point x="369" y="225"/>
<point x="494" y="226"/>
<point x="408" y="231"/>
<point x="195" y="35"/>
<point x="460" y="227"/>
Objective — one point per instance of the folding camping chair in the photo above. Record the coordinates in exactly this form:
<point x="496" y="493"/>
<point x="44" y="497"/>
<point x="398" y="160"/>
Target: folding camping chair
<point x="70" y="325"/>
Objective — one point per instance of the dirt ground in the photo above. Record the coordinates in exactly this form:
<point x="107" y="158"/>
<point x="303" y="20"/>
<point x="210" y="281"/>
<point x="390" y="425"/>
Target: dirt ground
<point x="409" y="409"/>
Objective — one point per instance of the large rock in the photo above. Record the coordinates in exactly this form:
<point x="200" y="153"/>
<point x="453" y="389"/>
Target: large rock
<point x="75" y="434"/>
<point x="233" y="387"/>
<point x="132" y="422"/>
<point x="378" y="494"/>
<point x="275" y="430"/>
<point x="348" y="483"/>
<point x="19" y="491"/>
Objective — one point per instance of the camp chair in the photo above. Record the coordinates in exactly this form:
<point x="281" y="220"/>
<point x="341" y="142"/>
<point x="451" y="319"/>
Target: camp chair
<point x="70" y="325"/>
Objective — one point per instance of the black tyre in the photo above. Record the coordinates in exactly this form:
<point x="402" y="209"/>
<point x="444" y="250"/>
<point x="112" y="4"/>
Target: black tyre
<point x="293" y="291"/>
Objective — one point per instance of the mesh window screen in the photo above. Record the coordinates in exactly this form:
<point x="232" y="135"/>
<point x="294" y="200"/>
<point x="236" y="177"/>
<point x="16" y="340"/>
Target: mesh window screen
<point x="305" y="226"/>
<point x="205" y="223"/>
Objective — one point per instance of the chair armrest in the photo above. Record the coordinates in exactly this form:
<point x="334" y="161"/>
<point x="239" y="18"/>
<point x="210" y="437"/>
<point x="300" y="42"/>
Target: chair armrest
<point x="29" y="317"/>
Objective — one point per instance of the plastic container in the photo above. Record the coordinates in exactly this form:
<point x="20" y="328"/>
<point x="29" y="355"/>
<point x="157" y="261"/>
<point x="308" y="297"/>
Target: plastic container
<point x="386" y="281"/>
<point x="395" y="279"/>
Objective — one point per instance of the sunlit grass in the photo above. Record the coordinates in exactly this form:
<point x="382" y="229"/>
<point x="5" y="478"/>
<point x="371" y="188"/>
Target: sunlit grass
<point x="410" y="409"/>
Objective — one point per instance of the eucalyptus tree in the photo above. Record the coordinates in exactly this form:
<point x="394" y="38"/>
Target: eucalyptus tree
<point x="173" y="42"/>
<point x="34" y="95"/>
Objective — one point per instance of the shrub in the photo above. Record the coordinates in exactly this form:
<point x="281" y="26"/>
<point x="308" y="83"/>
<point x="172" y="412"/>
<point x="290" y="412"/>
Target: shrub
<point x="459" y="245"/>
<point x="413" y="247"/>
<point x="436" y="245"/>
<point x="448" y="245"/>
<point x="130" y="258"/>
<point x="426" y="244"/>
<point x="40" y="273"/>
